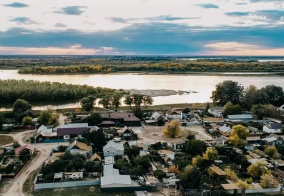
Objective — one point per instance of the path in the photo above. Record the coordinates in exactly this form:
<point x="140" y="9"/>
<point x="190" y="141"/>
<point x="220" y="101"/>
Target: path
<point x="42" y="154"/>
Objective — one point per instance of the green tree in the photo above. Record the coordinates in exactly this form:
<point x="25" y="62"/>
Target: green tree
<point x="24" y="155"/>
<point x="195" y="147"/>
<point x="275" y="94"/>
<point x="91" y="166"/>
<point x="137" y="100"/>
<point x="21" y="106"/>
<point x="227" y="91"/>
<point x="211" y="154"/>
<point x="2" y="120"/>
<point x="230" y="109"/>
<point x="128" y="100"/>
<point x="48" y="117"/>
<point x="172" y="129"/>
<point x="16" y="144"/>
<point x="93" y="119"/>
<point x="198" y="161"/>
<point x="250" y="97"/>
<point x="159" y="174"/>
<point x="138" y="112"/>
<point x="105" y="101"/>
<point x="87" y="103"/>
<point x="116" y="100"/>
<point x="147" y="100"/>
<point x="27" y="120"/>
<point x="260" y="111"/>
<point x="190" y="177"/>
<point x="238" y="136"/>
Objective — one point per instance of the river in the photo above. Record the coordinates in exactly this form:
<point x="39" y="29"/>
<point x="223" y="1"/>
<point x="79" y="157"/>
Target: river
<point x="203" y="85"/>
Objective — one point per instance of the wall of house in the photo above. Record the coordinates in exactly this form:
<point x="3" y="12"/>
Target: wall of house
<point x="264" y="190"/>
<point x="113" y="152"/>
<point x="66" y="184"/>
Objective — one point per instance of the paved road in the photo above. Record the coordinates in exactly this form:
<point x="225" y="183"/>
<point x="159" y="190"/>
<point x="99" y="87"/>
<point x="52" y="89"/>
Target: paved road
<point x="42" y="154"/>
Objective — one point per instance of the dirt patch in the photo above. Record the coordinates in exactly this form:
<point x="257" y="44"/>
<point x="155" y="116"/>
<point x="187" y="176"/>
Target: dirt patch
<point x="5" y="139"/>
<point x="153" y="134"/>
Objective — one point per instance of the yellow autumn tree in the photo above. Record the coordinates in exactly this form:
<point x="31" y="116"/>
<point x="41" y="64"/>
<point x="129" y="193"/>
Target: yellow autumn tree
<point x="172" y="129"/>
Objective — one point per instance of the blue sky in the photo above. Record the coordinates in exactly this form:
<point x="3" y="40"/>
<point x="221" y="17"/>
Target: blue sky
<point x="142" y="27"/>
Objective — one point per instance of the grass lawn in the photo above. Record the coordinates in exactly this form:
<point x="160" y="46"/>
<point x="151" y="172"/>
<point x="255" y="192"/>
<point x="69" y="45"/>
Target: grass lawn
<point x="84" y="191"/>
<point x="4" y="139"/>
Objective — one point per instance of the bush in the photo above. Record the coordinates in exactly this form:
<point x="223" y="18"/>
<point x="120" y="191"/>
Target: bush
<point x="159" y="174"/>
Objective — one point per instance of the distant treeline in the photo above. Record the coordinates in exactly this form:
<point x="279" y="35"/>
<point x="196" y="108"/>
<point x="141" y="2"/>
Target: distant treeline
<point x="11" y="90"/>
<point x="168" y="67"/>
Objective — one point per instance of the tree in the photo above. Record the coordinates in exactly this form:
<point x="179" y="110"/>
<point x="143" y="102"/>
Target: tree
<point x="27" y="120"/>
<point x="190" y="177"/>
<point x="275" y="94"/>
<point x="93" y="119"/>
<point x="272" y="152"/>
<point x="268" y="181"/>
<point x="211" y="154"/>
<point x="258" y="169"/>
<point x="128" y="100"/>
<point x="195" y="147"/>
<point x="16" y="144"/>
<point x="147" y="100"/>
<point x="260" y="111"/>
<point x="198" y="161"/>
<point x="238" y="136"/>
<point x="21" y="106"/>
<point x="115" y="100"/>
<point x="227" y="91"/>
<point x="105" y="101"/>
<point x="186" y="110"/>
<point x="48" y="117"/>
<point x="87" y="103"/>
<point x="2" y="120"/>
<point x="172" y="129"/>
<point x="230" y="109"/>
<point x="173" y="169"/>
<point x="138" y="113"/>
<point x="137" y="100"/>
<point x="91" y="166"/>
<point x="24" y="155"/>
<point x="159" y="174"/>
<point x="231" y="174"/>
<point x="62" y="148"/>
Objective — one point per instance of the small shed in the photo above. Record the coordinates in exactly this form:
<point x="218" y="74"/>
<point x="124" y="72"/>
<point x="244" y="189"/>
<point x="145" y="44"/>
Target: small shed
<point x="58" y="176"/>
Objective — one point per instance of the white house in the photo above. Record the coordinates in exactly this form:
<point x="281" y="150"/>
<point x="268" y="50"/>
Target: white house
<point x="173" y="114"/>
<point x="272" y="128"/>
<point x="217" y="111"/>
<point x="225" y="130"/>
<point x="281" y="110"/>
<point x="113" y="149"/>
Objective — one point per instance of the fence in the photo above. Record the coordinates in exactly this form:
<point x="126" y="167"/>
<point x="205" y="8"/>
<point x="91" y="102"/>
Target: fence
<point x="65" y="184"/>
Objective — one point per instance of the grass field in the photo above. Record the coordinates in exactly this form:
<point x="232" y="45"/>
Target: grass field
<point x="4" y="139"/>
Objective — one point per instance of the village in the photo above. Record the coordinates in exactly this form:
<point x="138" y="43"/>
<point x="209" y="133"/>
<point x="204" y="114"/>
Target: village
<point x="124" y="153"/>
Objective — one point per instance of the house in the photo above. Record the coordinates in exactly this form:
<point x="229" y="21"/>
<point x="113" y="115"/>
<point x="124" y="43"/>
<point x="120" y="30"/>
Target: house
<point x="113" y="149"/>
<point x="96" y="158"/>
<point x="44" y="129"/>
<point x="240" y="118"/>
<point x="281" y="110"/>
<point x="112" y="178"/>
<point x="167" y="155"/>
<point x="220" y="141"/>
<point x="58" y="176"/>
<point x="64" y="131"/>
<point x="107" y="123"/>
<point x="218" y="171"/>
<point x="252" y="139"/>
<point x="272" y="128"/>
<point x="279" y="163"/>
<point x="122" y="119"/>
<point x="273" y="139"/>
<point x="216" y="111"/>
<point x="73" y="175"/>
<point x="177" y="146"/>
<point x="125" y="132"/>
<point x="47" y="137"/>
<point x="225" y="130"/>
<point x="109" y="160"/>
<point x="80" y="148"/>
<point x="173" y="114"/>
<point x="252" y="130"/>
<point x="7" y="127"/>
<point x="29" y="147"/>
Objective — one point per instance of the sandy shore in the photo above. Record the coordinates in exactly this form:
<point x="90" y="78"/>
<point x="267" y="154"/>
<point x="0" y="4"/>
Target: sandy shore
<point x="153" y="93"/>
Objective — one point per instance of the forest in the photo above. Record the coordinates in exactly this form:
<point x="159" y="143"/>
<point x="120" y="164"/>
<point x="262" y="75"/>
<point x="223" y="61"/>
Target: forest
<point x="166" y="67"/>
<point x="11" y="90"/>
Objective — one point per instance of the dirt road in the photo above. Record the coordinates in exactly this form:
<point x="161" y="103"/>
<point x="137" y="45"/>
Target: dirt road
<point x="43" y="151"/>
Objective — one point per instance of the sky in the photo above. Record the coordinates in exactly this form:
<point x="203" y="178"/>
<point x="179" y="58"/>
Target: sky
<point x="142" y="27"/>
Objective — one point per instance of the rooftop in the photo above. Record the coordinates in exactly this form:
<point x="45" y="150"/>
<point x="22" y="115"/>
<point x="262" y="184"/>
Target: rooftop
<point x="217" y="170"/>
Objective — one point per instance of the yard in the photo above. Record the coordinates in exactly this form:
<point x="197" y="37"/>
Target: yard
<point x="4" y="139"/>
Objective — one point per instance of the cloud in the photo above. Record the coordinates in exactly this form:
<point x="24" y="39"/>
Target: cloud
<point x="242" y="49"/>
<point x="208" y="5"/>
<point x="71" y="10"/>
<point x="118" y="20"/>
<point x="23" y="20"/>
<point x="270" y="14"/>
<point x="16" y="5"/>
<point x="257" y="1"/>
<point x="76" y="49"/>
<point x="60" y="25"/>
<point x="236" y="14"/>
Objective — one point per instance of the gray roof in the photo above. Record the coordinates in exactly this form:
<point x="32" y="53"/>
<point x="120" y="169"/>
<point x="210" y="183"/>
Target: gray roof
<point x="74" y="125"/>
<point x="225" y="128"/>
<point x="240" y="116"/>
<point x="274" y="125"/>
<point x="117" y="146"/>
